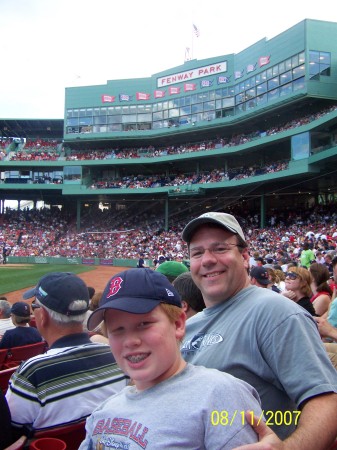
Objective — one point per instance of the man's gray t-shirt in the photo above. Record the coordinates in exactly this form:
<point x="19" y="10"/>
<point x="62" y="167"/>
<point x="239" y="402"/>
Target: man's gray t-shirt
<point x="268" y="341"/>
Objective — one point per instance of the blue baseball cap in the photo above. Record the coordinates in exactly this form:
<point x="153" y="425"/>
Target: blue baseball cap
<point x="21" y="309"/>
<point x="136" y="291"/>
<point x="57" y="290"/>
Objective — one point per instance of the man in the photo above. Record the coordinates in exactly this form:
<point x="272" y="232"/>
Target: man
<point x="141" y="261"/>
<point x="307" y="255"/>
<point x="259" y="276"/>
<point x="257" y="336"/>
<point x="75" y="375"/>
<point x="6" y="322"/>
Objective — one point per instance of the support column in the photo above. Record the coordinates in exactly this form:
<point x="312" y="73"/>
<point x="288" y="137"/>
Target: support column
<point x="166" y="214"/>
<point x="262" y="212"/>
<point x="78" y="215"/>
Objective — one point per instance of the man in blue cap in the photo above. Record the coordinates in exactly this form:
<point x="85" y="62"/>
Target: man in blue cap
<point x="74" y="376"/>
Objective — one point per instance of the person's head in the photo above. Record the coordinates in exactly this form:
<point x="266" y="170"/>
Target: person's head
<point x="259" y="276"/>
<point x="191" y="296"/>
<point x="94" y="301"/>
<point x="259" y="261"/>
<point x="20" y="312"/>
<point x="145" y="323"/>
<point x="91" y="291"/>
<point x="298" y="279"/>
<point x="334" y="268"/>
<point x="171" y="269"/>
<point x="5" y="309"/>
<point x="219" y="258"/>
<point x="60" y="305"/>
<point x="320" y="276"/>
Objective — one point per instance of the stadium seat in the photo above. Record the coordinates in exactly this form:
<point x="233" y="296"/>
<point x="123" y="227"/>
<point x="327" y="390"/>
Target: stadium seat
<point x="3" y="356"/>
<point x="5" y="376"/>
<point x="16" y="355"/>
<point x="72" y="434"/>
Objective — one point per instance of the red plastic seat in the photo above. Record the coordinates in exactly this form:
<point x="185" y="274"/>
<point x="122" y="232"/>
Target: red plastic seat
<point x="5" y="376"/>
<point x="72" y="434"/>
<point x="19" y="354"/>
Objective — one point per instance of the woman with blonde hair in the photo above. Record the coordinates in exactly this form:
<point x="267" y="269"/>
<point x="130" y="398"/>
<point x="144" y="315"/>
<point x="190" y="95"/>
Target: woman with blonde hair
<point x="298" y="288"/>
<point x="322" y="292"/>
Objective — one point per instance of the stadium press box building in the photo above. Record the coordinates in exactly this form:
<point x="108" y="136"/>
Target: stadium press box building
<point x="256" y="129"/>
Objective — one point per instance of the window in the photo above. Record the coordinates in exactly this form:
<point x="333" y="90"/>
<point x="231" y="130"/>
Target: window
<point x="319" y="64"/>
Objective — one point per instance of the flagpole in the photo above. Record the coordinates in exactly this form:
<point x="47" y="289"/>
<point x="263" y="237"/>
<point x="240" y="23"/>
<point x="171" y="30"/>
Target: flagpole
<point x="192" y="53"/>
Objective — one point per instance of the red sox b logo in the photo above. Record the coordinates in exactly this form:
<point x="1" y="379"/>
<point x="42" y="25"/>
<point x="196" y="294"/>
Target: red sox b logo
<point x="115" y="285"/>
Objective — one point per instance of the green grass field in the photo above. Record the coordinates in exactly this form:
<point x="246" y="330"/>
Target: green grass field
<point x="21" y="277"/>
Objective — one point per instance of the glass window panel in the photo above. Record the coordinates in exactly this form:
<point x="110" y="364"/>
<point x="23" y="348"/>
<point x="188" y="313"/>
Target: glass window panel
<point x="313" y="68"/>
<point x="159" y="106"/>
<point x="110" y="110"/>
<point x="194" y="99"/>
<point x="286" y="77"/>
<point x="251" y="104"/>
<point x="117" y="110"/>
<point x="157" y="125"/>
<point x="185" y="110"/>
<point x="174" y="112"/>
<point x="210" y="115"/>
<point x="218" y="104"/>
<point x="203" y="97"/>
<point x="288" y="64"/>
<point x="184" y="120"/>
<point x="157" y="115"/>
<point x="218" y="93"/>
<point x="187" y="101"/>
<point x="170" y="104"/>
<point x="165" y="114"/>
<point x="82" y="112"/>
<point x="239" y="98"/>
<point x="212" y="95"/>
<point x="69" y="113"/>
<point x="258" y="79"/>
<point x="100" y="120"/>
<point x="269" y="73"/>
<point x="263" y="76"/>
<point x="324" y="69"/>
<point x="261" y="88"/>
<point x="208" y="106"/>
<point x="261" y="99"/>
<point x="301" y="58"/>
<point x="75" y="112"/>
<point x="72" y="121"/>
<point x="294" y="61"/>
<point x="103" y="110"/>
<point x="272" y="95"/>
<point x="129" y="118"/>
<point x="313" y="56"/>
<point x="155" y="107"/>
<point x="228" y="102"/>
<point x="281" y="67"/>
<point x="197" y="108"/>
<point x="148" y="108"/>
<point x="115" y="119"/>
<point x="275" y="71"/>
<point x="230" y="92"/>
<point x="251" y="93"/>
<point x="85" y="121"/>
<point x="273" y="83"/>
<point x="147" y="117"/>
<point x="165" y="105"/>
<point x="286" y="90"/>
<point x="325" y="57"/>
<point x="237" y="89"/>
<point x="97" y="111"/>
<point x="248" y="83"/>
<point x="115" y="127"/>
<point x="240" y="108"/>
<point x="299" y="71"/>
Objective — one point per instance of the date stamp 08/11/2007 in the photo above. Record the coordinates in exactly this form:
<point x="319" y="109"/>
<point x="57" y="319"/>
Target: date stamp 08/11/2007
<point x="224" y="418"/>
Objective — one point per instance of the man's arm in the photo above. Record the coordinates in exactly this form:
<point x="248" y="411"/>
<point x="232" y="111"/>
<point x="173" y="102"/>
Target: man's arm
<point x="317" y="428"/>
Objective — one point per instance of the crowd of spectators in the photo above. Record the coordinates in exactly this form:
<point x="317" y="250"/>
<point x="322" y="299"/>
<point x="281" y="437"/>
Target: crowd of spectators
<point x="106" y="234"/>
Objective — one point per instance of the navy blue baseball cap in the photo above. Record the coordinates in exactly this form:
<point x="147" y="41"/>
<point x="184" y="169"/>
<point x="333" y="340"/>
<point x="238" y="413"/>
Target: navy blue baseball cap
<point x="57" y="290"/>
<point x="136" y="291"/>
<point x="21" y="309"/>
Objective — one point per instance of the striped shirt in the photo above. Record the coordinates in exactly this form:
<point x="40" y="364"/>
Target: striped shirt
<point x="65" y="384"/>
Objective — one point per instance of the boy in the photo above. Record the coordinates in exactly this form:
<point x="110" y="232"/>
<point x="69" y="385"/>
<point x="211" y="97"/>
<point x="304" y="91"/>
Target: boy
<point x="172" y="404"/>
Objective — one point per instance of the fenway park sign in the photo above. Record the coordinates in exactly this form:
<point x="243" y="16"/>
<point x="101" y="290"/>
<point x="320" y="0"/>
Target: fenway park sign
<point x="199" y="72"/>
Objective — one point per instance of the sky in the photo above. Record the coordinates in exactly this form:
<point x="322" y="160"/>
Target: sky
<point x="48" y="45"/>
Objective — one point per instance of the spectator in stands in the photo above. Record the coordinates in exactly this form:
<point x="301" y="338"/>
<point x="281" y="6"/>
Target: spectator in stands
<point x="145" y="324"/>
<point x="307" y="255"/>
<point x="6" y="322"/>
<point x="171" y="269"/>
<point x="255" y="335"/>
<point x="22" y="334"/>
<point x="5" y="429"/>
<point x="298" y="288"/>
<point x="75" y="375"/>
<point x="191" y="296"/>
<point x="259" y="276"/>
<point x="322" y="292"/>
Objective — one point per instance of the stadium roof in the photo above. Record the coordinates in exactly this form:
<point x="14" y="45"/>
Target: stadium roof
<point x="32" y="128"/>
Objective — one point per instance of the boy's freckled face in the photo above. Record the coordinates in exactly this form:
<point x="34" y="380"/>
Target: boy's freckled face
<point x="145" y="345"/>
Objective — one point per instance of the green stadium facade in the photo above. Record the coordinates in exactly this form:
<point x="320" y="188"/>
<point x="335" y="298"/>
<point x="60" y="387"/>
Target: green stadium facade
<point x="273" y="105"/>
